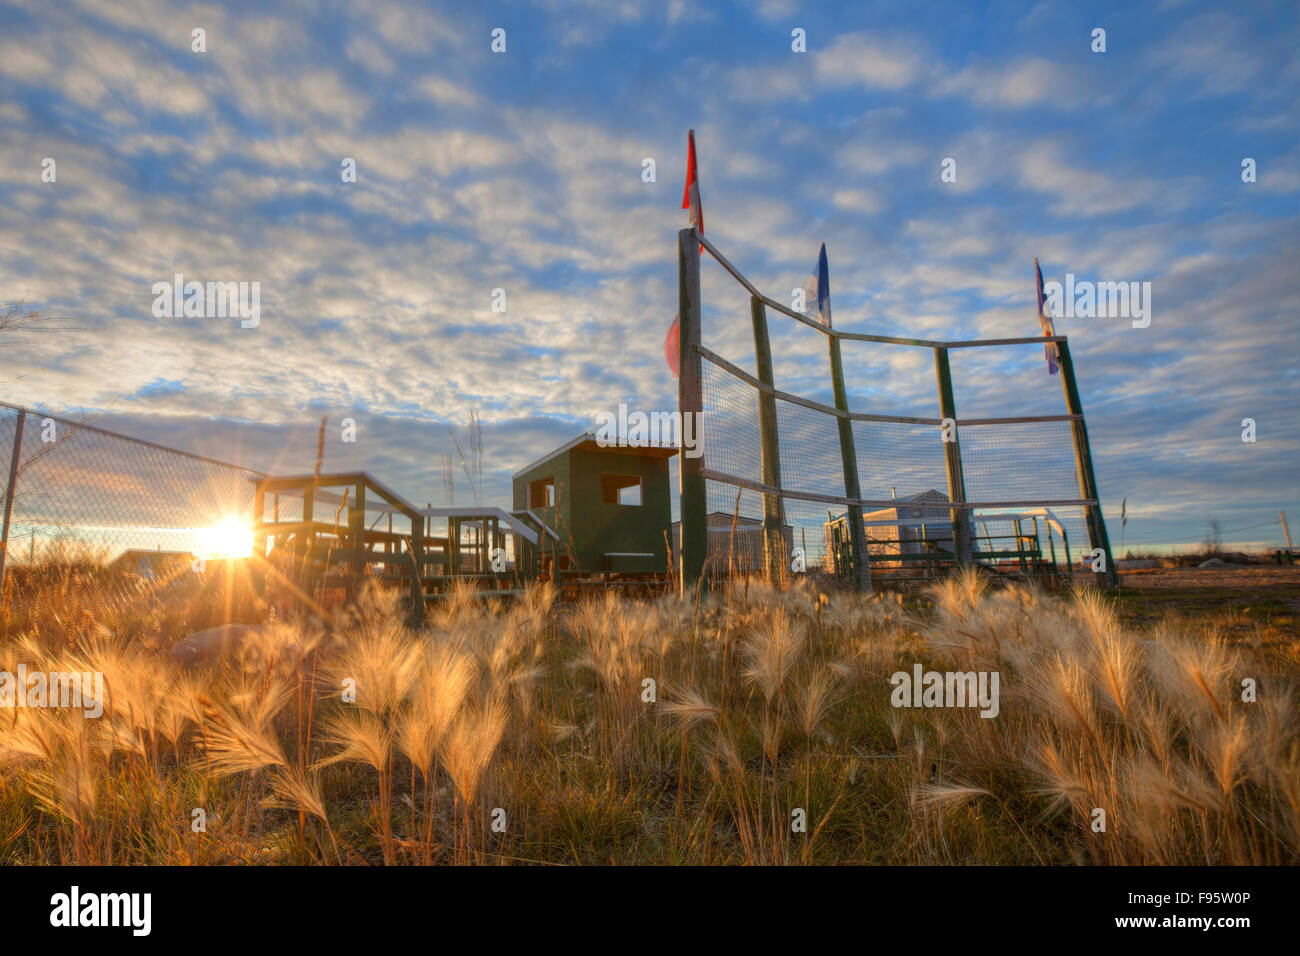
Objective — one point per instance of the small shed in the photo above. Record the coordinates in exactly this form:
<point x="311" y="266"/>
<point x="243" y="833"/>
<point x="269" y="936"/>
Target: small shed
<point x="610" y="505"/>
<point x="736" y="542"/>
<point x="152" y="564"/>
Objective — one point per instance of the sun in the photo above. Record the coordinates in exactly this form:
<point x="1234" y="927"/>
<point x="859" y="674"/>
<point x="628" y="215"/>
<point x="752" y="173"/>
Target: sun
<point x="231" y="538"/>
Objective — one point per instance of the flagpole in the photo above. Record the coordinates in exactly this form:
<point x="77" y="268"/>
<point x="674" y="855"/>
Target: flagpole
<point x="1083" y="465"/>
<point x="849" y="456"/>
<point x="1123" y="528"/>
<point x="690" y="401"/>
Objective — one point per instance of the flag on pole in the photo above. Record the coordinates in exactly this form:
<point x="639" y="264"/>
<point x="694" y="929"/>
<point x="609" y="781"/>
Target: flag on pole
<point x="817" y="289"/>
<point x="691" y="194"/>
<point x="671" y="347"/>
<point x="691" y="201"/>
<point x="1123" y="513"/>
<point x="1045" y="320"/>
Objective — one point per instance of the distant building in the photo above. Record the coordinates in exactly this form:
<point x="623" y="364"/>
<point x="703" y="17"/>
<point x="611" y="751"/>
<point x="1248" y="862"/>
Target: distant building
<point x="610" y="506"/>
<point x="907" y="527"/>
<point x="151" y="564"/>
<point x="742" y="550"/>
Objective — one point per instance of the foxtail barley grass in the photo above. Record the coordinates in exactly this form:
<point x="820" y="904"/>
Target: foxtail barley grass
<point x="696" y="730"/>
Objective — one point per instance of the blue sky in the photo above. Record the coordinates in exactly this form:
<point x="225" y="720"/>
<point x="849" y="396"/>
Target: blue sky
<point x="522" y="171"/>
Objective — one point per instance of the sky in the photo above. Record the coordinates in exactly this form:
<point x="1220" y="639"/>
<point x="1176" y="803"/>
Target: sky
<point x="523" y="170"/>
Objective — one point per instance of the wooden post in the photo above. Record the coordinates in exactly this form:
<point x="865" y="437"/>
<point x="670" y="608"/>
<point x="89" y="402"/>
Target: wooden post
<point x="774" y="556"/>
<point x="1285" y="530"/>
<point x="453" y="545"/>
<point x="417" y="542"/>
<point x="10" y="490"/>
<point x="690" y="401"/>
<point x="849" y="457"/>
<point x="1083" y="464"/>
<point x="307" y="537"/>
<point x="961" y="521"/>
<point x="417" y="569"/>
<point x="494" y="543"/>
<point x="357" y="532"/>
<point x="257" y="567"/>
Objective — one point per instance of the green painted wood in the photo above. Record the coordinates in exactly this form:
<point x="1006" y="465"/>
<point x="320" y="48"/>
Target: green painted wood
<point x="774" y="546"/>
<point x="849" y="456"/>
<point x="961" y="527"/>
<point x="588" y="526"/>
<point x="11" y="488"/>
<point x="690" y="401"/>
<point x="1083" y="465"/>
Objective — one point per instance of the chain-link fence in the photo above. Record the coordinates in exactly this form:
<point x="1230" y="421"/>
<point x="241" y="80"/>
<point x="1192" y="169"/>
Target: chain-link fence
<point x="75" y="492"/>
<point x="905" y="457"/>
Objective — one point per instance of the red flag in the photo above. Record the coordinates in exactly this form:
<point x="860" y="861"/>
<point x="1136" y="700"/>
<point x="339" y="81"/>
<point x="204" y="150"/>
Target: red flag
<point x="671" y="347"/>
<point x="691" y="201"/>
<point x="691" y="194"/>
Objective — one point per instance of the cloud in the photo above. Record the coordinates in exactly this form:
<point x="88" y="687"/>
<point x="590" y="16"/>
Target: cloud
<point x="1075" y="190"/>
<point x="371" y="55"/>
<point x="862" y="201"/>
<point x="445" y="92"/>
<point x="873" y="61"/>
<point x="1216" y="52"/>
<point x="1023" y="83"/>
<point x="98" y="70"/>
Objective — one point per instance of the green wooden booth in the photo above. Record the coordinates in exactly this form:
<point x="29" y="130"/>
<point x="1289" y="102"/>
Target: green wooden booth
<point x="610" y="506"/>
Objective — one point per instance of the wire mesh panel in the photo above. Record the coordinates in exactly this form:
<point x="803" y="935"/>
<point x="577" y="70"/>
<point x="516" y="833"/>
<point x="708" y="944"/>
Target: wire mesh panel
<point x="804" y="435"/>
<point x="1004" y="380"/>
<point x="883" y="379"/>
<point x="83" y="493"/>
<point x="897" y="459"/>
<point x="1019" y="461"/>
<point x="729" y="433"/>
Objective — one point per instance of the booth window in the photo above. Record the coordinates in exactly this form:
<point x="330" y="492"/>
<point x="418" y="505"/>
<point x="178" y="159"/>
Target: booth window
<point x="541" y="493"/>
<point x="620" y="489"/>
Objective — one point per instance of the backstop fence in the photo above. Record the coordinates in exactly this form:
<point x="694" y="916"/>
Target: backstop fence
<point x="73" y="491"/>
<point x="909" y="457"/>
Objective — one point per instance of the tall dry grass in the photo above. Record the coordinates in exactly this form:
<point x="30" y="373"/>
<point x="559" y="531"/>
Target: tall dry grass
<point x="750" y="725"/>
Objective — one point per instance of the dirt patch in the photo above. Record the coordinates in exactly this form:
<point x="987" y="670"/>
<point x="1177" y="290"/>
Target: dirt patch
<point x="1234" y="578"/>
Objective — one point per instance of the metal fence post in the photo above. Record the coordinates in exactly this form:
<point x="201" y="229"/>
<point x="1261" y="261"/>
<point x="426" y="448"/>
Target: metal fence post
<point x="1083" y="465"/>
<point x="690" y="401"/>
<point x="961" y="524"/>
<point x="775" y="553"/>
<point x="849" y="456"/>
<point x="10" y="489"/>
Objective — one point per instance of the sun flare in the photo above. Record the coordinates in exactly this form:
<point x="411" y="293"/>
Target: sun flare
<point x="231" y="538"/>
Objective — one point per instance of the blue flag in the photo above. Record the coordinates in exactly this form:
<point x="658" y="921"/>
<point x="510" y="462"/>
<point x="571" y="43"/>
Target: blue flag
<point x="817" y="288"/>
<point x="1045" y="321"/>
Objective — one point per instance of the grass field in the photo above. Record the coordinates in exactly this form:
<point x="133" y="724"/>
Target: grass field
<point x="528" y="732"/>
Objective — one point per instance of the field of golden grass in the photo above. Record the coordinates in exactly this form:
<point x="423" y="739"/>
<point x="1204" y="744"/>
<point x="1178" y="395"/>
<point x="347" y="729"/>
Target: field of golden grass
<point x="749" y="725"/>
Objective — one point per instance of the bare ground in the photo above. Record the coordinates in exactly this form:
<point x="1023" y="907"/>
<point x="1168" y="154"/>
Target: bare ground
<point x="1228" y="576"/>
